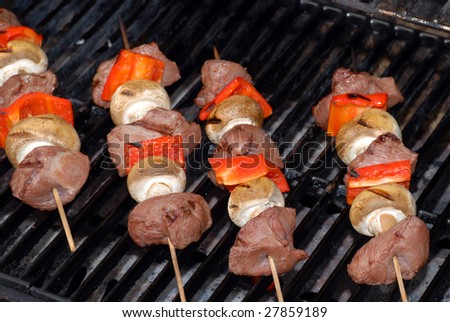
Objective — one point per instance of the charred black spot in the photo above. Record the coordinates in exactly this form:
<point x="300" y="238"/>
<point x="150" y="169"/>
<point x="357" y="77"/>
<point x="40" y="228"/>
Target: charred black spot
<point x="214" y="121"/>
<point x="381" y="193"/>
<point x="127" y="92"/>
<point x="136" y="144"/>
<point x="354" y="174"/>
<point x="355" y="95"/>
<point x="363" y="123"/>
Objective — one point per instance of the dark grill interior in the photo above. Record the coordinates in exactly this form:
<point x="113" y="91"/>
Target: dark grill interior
<point x="291" y="49"/>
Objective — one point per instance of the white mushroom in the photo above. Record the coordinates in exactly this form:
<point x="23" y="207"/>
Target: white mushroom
<point x="21" y="57"/>
<point x="155" y="176"/>
<point x="133" y="99"/>
<point x="355" y="136"/>
<point x="250" y="199"/>
<point x="376" y="209"/>
<point x="232" y="111"/>
<point x="42" y="130"/>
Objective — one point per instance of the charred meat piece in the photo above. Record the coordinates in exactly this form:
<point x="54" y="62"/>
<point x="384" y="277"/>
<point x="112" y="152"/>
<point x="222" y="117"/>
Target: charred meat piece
<point x="49" y="167"/>
<point x="270" y="233"/>
<point x="8" y="19"/>
<point x="21" y="84"/>
<point x="216" y="74"/>
<point x="247" y="139"/>
<point x="126" y="133"/>
<point x="345" y="81"/>
<point x="386" y="148"/>
<point x="408" y="240"/>
<point x="170" y="76"/>
<point x="170" y="122"/>
<point x="182" y="217"/>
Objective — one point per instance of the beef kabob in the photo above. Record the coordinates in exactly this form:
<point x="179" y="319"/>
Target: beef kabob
<point x="36" y="128"/>
<point x="368" y="140"/>
<point x="247" y="163"/>
<point x="149" y="144"/>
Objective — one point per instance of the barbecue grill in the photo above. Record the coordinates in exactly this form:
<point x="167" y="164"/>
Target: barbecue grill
<point x="291" y="48"/>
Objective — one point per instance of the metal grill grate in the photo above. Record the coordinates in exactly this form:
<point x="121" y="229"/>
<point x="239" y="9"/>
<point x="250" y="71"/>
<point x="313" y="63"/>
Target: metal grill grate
<point x="291" y="49"/>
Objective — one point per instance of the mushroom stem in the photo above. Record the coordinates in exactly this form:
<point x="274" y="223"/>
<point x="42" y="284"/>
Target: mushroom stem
<point x="158" y="189"/>
<point x="387" y="221"/>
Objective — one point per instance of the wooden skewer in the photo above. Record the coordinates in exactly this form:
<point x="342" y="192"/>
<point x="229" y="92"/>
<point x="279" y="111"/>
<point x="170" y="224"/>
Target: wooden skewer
<point x="216" y="53"/>
<point x="401" y="286"/>
<point x="62" y="215"/>
<point x="173" y="254"/>
<point x="276" y="280"/>
<point x="386" y="222"/>
<point x="126" y="44"/>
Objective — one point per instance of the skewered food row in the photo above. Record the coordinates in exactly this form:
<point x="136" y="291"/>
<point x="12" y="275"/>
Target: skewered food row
<point x="246" y="162"/>
<point x="149" y="144"/>
<point x="379" y="169"/>
<point x="44" y="149"/>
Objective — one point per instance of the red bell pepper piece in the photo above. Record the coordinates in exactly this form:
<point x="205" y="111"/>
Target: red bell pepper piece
<point x="238" y="86"/>
<point x="32" y="104"/>
<point x="372" y="175"/>
<point x="238" y="169"/>
<point x="277" y="176"/>
<point x="130" y="66"/>
<point x="168" y="146"/>
<point x="345" y="107"/>
<point x="19" y="33"/>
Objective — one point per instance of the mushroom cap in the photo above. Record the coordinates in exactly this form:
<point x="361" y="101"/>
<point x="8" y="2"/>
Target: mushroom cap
<point x="232" y="111"/>
<point x="41" y="130"/>
<point x="25" y="57"/>
<point x="155" y="176"/>
<point x="387" y="196"/>
<point x="250" y="199"/>
<point x="355" y="136"/>
<point x="133" y="99"/>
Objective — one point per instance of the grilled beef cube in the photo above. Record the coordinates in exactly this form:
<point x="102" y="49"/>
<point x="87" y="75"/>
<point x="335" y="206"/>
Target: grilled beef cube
<point x="269" y="233"/>
<point x="247" y="139"/>
<point x="49" y="167"/>
<point x="182" y="217"/>
<point x="8" y="19"/>
<point x="408" y="240"/>
<point x="170" y="122"/>
<point x="21" y="84"/>
<point x="345" y="81"/>
<point x="216" y="74"/>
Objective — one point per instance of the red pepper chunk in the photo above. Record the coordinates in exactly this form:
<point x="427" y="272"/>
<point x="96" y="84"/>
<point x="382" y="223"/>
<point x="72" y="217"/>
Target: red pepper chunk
<point x="238" y="169"/>
<point x="32" y="104"/>
<point x="277" y="176"/>
<point x="237" y="86"/>
<point x="19" y="33"/>
<point x="168" y="146"/>
<point x="366" y="177"/>
<point x="345" y="107"/>
<point x="131" y="66"/>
